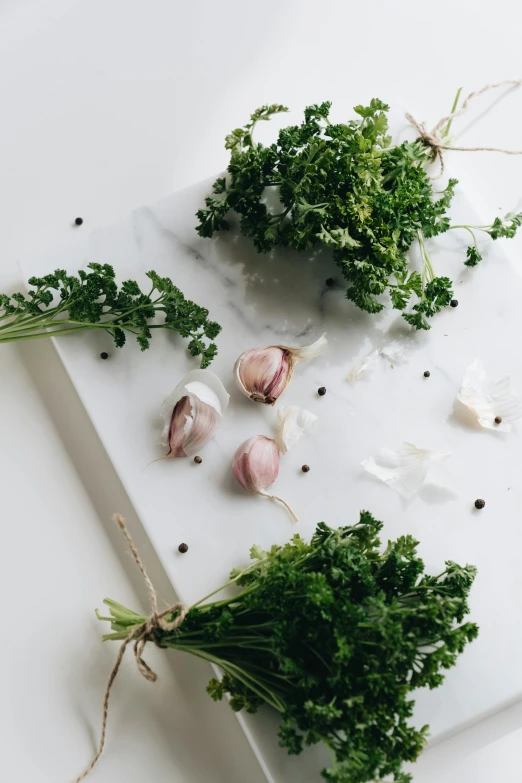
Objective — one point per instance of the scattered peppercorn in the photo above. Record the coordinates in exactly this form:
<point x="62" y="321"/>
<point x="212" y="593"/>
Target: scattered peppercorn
<point x="454" y="303"/>
<point x="78" y="221"/>
<point x="183" y="548"/>
<point x="305" y="468"/>
<point x="330" y="281"/>
<point x="498" y="419"/>
<point x="479" y="503"/>
<point x="104" y="355"/>
<point x="321" y="391"/>
<point x="427" y="373"/>
<point x="198" y="460"/>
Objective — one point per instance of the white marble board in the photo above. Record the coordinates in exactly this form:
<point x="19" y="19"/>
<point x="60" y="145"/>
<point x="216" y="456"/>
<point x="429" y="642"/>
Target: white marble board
<point x="282" y="298"/>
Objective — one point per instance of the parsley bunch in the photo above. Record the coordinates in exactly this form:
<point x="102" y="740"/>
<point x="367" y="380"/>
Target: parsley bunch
<point x="92" y="300"/>
<point x="334" y="634"/>
<point x="346" y="186"/>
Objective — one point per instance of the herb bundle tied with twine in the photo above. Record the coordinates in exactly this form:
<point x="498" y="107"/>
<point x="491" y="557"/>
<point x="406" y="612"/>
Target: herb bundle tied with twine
<point x="348" y="187"/>
<point x="334" y="634"/>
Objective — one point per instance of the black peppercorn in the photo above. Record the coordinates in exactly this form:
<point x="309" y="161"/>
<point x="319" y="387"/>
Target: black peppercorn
<point x="104" y="355"/>
<point x="183" y="548"/>
<point x="305" y="468"/>
<point x="498" y="419"/>
<point x="78" y="221"/>
<point x="427" y="373"/>
<point x="322" y="391"/>
<point x="198" y="460"/>
<point x="454" y="303"/>
<point x="479" y="503"/>
<point x="330" y="281"/>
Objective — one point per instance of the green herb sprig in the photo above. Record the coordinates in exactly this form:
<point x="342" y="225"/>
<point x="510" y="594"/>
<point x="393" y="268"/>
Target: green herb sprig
<point x="346" y="186"/>
<point x="60" y="304"/>
<point x="335" y="635"/>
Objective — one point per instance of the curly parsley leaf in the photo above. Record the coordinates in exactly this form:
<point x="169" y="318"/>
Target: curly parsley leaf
<point x="473" y="256"/>
<point x="506" y="227"/>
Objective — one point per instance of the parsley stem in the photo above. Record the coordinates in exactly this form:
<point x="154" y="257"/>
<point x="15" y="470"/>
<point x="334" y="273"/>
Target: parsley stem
<point x="47" y="320"/>
<point x="35" y="336"/>
<point x="235" y="671"/>
<point x="427" y="268"/>
<point x="467" y="228"/>
<point x="247" y="570"/>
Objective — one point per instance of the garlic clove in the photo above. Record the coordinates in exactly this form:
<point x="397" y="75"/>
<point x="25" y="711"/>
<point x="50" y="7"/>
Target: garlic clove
<point x="262" y="374"/>
<point x="191" y="413"/>
<point x="204" y="420"/>
<point x="256" y="463"/>
<point x="293" y="422"/>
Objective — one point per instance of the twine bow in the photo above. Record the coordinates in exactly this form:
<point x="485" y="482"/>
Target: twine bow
<point x="435" y="142"/>
<point x="140" y="636"/>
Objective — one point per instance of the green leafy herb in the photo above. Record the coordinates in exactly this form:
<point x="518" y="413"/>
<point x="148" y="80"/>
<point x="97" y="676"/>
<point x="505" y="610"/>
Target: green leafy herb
<point x="92" y="300"/>
<point x="473" y="256"/>
<point x="335" y="635"/>
<point x="504" y="228"/>
<point x="344" y="185"/>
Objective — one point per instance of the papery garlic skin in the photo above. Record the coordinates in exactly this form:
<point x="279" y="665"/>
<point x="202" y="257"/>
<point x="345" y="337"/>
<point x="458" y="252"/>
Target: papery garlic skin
<point x="191" y="413"/>
<point x="293" y="422"/>
<point x="256" y="463"/>
<point x="395" y="351"/>
<point x="262" y="374"/>
<point x="403" y="470"/>
<point x="488" y="399"/>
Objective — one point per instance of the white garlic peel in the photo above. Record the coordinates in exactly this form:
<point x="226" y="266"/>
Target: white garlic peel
<point x="403" y="470"/>
<point x="262" y="374"/>
<point x="395" y="351"/>
<point x="359" y="369"/>
<point x="191" y="413"/>
<point x="293" y="422"/>
<point x="489" y="399"/>
<point x="308" y="351"/>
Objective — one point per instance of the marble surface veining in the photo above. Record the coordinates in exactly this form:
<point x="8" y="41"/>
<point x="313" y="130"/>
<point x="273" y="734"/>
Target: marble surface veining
<point x="283" y="298"/>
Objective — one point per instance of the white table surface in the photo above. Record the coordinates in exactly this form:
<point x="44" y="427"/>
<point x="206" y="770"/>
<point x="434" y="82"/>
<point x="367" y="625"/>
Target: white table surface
<point x="109" y="105"/>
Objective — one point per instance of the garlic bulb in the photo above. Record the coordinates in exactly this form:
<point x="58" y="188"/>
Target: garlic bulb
<point x="256" y="461"/>
<point x="191" y="413"/>
<point x="264" y="373"/>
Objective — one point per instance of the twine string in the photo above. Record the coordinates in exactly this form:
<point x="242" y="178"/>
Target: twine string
<point x="140" y="635"/>
<point x="433" y="140"/>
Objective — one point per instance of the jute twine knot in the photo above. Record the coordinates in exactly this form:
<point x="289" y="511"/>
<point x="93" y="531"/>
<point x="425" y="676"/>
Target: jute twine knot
<point x="435" y="142"/>
<point x="146" y="632"/>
